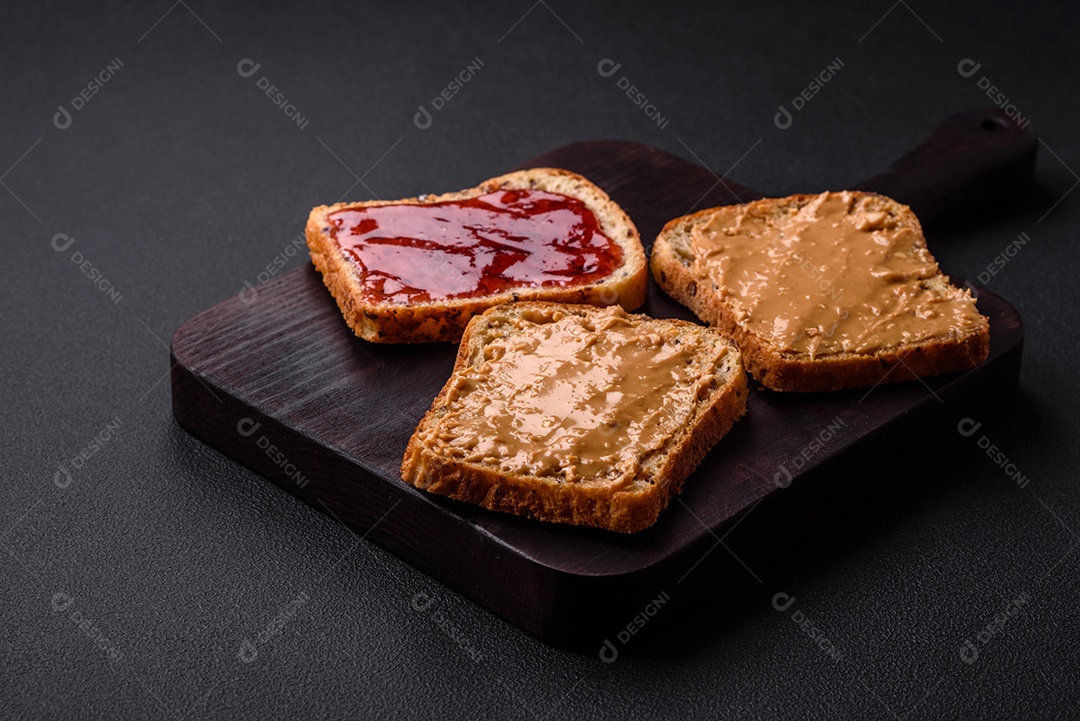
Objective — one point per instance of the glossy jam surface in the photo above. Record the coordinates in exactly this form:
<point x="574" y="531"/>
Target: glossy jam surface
<point x="501" y="241"/>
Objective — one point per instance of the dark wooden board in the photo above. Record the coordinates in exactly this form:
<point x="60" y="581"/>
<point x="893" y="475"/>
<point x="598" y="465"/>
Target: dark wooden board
<point x="276" y="380"/>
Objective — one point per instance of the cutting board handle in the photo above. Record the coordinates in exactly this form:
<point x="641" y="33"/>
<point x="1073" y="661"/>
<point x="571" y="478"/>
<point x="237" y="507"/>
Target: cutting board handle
<point x="969" y="161"/>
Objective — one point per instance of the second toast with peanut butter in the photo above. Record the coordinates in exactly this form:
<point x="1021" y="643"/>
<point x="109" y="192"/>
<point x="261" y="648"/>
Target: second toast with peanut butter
<point x="822" y="292"/>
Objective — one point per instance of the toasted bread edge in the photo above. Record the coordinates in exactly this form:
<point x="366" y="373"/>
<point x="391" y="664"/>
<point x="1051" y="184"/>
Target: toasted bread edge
<point x="446" y="320"/>
<point x="556" y="501"/>
<point x="825" y="373"/>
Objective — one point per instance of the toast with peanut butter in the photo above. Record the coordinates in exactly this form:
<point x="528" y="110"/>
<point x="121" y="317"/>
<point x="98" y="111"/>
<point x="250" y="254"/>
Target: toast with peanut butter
<point x="416" y="270"/>
<point x="822" y="292"/>
<point x="576" y="414"/>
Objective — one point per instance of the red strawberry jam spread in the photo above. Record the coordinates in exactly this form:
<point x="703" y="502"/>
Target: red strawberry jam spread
<point x="504" y="240"/>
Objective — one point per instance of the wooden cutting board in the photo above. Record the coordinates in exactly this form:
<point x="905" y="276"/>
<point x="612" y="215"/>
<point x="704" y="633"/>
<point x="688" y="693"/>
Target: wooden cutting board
<point x="277" y="381"/>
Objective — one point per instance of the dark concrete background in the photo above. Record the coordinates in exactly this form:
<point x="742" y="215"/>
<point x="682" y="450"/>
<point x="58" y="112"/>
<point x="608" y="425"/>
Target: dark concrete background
<point x="180" y="180"/>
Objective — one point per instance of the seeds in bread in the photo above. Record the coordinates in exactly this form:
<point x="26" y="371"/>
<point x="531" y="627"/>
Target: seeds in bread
<point x="860" y="303"/>
<point x="577" y="414"/>
<point x="415" y="318"/>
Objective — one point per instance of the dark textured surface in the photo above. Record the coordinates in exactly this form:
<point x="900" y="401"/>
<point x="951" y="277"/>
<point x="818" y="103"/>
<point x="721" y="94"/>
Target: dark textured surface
<point x="275" y="380"/>
<point x="179" y="181"/>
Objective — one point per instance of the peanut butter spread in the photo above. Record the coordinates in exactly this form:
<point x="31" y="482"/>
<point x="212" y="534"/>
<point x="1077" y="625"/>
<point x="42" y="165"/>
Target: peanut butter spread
<point x="837" y="276"/>
<point x="582" y="398"/>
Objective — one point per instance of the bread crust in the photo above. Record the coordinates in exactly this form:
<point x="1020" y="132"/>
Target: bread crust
<point x="786" y="371"/>
<point x="390" y="322"/>
<point x="584" y="504"/>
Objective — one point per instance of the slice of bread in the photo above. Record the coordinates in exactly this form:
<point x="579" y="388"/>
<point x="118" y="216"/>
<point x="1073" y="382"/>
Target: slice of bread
<point x="720" y="261"/>
<point x="422" y="317"/>
<point x="577" y="414"/>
